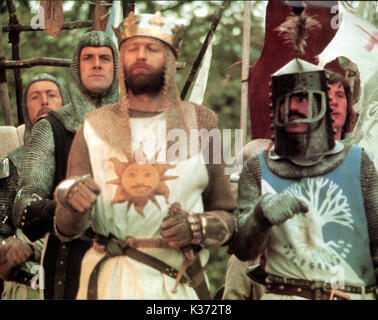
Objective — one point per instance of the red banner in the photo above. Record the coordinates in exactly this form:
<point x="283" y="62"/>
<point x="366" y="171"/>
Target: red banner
<point x="275" y="54"/>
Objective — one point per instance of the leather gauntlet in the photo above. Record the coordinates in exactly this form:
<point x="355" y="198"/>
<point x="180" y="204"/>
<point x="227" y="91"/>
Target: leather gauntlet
<point x="75" y="198"/>
<point x="38" y="218"/>
<point x="210" y="229"/>
<point x="77" y="193"/>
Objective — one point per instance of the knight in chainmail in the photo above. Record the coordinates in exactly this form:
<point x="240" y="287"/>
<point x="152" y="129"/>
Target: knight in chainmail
<point x="169" y="210"/>
<point x="45" y="160"/>
<point x="36" y="104"/>
<point x="237" y="283"/>
<point x="309" y="204"/>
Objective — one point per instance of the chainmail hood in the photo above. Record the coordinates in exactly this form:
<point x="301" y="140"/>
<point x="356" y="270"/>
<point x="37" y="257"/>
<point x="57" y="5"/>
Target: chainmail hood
<point x="16" y="154"/>
<point x="82" y="100"/>
<point x="177" y="115"/>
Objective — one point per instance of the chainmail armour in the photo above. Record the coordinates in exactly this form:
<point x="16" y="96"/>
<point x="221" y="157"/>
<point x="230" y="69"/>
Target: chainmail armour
<point x="110" y="120"/>
<point x="9" y="185"/>
<point x="38" y="167"/>
<point x="252" y="231"/>
<point x="117" y="115"/>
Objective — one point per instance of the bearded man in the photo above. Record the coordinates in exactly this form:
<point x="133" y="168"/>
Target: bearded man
<point x="155" y="213"/>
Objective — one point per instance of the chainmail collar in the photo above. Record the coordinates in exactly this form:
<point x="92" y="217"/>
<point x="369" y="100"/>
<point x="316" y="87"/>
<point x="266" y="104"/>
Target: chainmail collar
<point x="287" y="169"/>
<point x="311" y="161"/>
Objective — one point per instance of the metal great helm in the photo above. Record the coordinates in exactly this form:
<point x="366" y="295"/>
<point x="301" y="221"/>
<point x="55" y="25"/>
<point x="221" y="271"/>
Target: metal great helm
<point x="153" y="26"/>
<point x="302" y="78"/>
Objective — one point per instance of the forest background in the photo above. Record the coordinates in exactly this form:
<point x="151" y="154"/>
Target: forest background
<point x="222" y="96"/>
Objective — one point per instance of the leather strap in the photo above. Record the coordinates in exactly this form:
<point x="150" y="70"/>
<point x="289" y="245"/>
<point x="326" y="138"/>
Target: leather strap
<point x="117" y="248"/>
<point x="313" y="285"/>
<point x="196" y="274"/>
<point x="146" y="243"/>
<point x="258" y="274"/>
<point x="21" y="276"/>
<point x="60" y="270"/>
<point x="305" y="292"/>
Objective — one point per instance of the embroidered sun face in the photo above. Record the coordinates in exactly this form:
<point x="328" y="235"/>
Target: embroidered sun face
<point x="139" y="182"/>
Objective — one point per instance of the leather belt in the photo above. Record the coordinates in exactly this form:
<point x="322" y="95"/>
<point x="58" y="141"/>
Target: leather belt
<point x="114" y="247"/>
<point x="313" y="285"/>
<point x="306" y="292"/>
<point x="302" y="287"/>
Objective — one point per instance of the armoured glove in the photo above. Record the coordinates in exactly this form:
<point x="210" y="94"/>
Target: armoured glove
<point x="271" y="209"/>
<point x="210" y="229"/>
<point x="177" y="230"/>
<point x="77" y="193"/>
<point x="277" y="208"/>
<point x="75" y="198"/>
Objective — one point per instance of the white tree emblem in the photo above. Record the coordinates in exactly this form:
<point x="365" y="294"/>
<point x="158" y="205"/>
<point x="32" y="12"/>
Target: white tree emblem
<point x="327" y="204"/>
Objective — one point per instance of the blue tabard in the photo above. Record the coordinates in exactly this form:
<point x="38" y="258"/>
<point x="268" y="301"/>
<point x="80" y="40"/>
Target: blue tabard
<point x="330" y="242"/>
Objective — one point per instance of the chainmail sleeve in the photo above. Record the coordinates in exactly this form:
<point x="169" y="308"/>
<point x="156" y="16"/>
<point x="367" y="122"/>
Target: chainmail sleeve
<point x="217" y="197"/>
<point x="252" y="232"/>
<point x="37" y="170"/>
<point x="8" y="189"/>
<point x="369" y="185"/>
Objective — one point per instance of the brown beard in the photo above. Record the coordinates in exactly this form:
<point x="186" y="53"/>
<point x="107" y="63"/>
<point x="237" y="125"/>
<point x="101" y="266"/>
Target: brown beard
<point x="149" y="83"/>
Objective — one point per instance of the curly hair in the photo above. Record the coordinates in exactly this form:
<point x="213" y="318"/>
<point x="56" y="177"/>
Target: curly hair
<point x="350" y="119"/>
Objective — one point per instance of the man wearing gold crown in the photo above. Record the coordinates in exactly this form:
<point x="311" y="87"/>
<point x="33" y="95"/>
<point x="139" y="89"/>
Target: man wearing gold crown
<point x="154" y="212"/>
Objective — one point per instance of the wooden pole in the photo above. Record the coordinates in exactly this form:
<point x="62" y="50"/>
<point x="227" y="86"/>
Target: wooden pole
<point x="127" y="7"/>
<point x="202" y="52"/>
<point x="4" y="96"/>
<point x="14" y="39"/>
<point x="66" y="26"/>
<point x="28" y="63"/>
<point x="245" y="70"/>
<point x="54" y="62"/>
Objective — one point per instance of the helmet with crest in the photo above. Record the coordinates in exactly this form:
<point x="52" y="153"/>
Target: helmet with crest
<point x="307" y="83"/>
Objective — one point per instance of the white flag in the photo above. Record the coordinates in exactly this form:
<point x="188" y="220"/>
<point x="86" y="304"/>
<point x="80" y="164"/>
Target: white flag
<point x="357" y="40"/>
<point x="199" y="87"/>
<point x="114" y="19"/>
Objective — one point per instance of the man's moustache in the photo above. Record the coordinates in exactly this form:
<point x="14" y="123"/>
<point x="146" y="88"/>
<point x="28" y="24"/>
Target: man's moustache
<point x="42" y="111"/>
<point x="139" y="65"/>
<point x="298" y="114"/>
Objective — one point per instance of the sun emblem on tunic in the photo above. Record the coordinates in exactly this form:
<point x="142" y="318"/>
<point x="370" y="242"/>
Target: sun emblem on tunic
<point x="139" y="182"/>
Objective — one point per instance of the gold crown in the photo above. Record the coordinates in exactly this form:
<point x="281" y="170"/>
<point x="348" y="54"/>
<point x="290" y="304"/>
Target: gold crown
<point x="149" y="25"/>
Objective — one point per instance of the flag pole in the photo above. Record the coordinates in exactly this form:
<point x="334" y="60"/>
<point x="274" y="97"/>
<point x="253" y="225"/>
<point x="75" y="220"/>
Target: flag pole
<point x="202" y="52"/>
<point x="245" y="70"/>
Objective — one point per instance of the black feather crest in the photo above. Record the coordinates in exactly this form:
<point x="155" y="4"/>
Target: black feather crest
<point x="295" y="30"/>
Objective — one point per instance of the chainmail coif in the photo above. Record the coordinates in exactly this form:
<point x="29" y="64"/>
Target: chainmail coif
<point x="39" y="164"/>
<point x="9" y="185"/>
<point x="117" y="115"/>
<point x="82" y="100"/>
